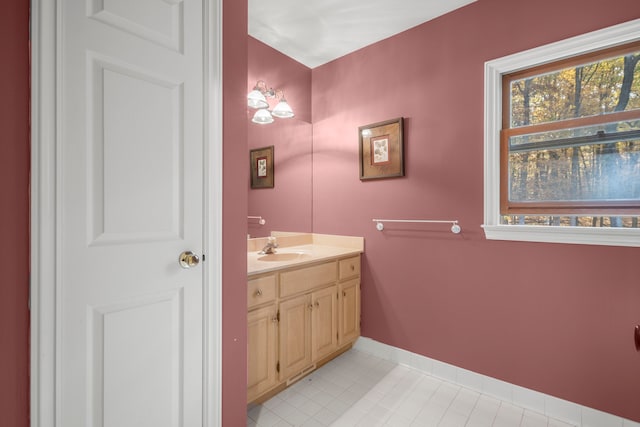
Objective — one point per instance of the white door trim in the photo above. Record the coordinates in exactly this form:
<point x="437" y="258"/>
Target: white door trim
<point x="45" y="306"/>
<point x="43" y="213"/>
<point x="212" y="310"/>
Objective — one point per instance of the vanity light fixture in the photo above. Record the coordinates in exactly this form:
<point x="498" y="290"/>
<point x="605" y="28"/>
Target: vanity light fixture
<point x="257" y="99"/>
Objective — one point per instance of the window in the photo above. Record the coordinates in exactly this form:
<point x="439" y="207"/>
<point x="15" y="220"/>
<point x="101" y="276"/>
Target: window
<point x="562" y="141"/>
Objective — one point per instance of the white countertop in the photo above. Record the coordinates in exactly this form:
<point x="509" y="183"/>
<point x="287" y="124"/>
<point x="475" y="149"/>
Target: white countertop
<point x="294" y="256"/>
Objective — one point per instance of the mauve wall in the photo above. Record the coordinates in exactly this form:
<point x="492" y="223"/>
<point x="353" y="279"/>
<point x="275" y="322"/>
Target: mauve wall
<point x="234" y="205"/>
<point x="14" y="213"/>
<point x="286" y="206"/>
<point x="554" y="318"/>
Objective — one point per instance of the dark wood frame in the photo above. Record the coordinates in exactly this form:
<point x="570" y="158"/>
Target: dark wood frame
<point x="262" y="154"/>
<point x="392" y="132"/>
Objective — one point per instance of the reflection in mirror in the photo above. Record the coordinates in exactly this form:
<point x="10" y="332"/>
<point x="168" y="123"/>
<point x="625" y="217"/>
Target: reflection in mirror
<point x="286" y="206"/>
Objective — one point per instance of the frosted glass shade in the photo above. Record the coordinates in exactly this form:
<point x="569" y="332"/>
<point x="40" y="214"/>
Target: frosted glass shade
<point x="282" y="110"/>
<point x="256" y="99"/>
<point x="262" y="117"/>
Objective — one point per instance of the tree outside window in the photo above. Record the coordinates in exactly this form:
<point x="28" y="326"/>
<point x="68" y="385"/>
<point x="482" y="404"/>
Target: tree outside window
<point x="570" y="142"/>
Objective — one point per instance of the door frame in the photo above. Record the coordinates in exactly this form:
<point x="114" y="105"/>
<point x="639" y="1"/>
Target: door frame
<point x="45" y="305"/>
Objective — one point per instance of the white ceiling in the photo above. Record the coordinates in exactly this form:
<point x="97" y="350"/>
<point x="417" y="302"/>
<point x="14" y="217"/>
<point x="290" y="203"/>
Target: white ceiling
<point x="314" y="32"/>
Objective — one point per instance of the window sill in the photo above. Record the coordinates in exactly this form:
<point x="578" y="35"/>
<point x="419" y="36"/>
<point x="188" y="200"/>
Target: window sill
<point x="572" y="235"/>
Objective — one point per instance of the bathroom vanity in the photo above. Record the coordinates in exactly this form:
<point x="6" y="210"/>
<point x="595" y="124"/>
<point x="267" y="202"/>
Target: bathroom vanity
<point x="303" y="307"/>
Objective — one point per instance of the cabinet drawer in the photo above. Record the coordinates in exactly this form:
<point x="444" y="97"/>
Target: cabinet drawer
<point x="261" y="290"/>
<point x="304" y="279"/>
<point x="349" y="268"/>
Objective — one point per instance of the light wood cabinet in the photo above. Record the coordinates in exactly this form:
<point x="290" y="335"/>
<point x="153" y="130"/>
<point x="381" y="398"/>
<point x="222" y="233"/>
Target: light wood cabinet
<point x="261" y="290"/>
<point x="324" y="322"/>
<point x="349" y="315"/>
<point x="308" y="278"/>
<point x="348" y="300"/>
<point x="298" y="319"/>
<point x="262" y="333"/>
<point x="295" y="335"/>
<point x="349" y="268"/>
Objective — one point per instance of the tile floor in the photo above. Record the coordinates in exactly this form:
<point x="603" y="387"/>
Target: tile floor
<point x="358" y="389"/>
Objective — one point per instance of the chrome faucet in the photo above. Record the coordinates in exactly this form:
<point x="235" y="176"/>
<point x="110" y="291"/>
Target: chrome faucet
<point x="270" y="246"/>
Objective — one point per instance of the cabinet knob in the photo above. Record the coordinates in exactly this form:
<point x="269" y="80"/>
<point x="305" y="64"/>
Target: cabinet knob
<point x="344" y="293"/>
<point x="317" y="303"/>
<point x="259" y="292"/>
<point x="310" y="306"/>
<point x="353" y="267"/>
<point x="274" y="319"/>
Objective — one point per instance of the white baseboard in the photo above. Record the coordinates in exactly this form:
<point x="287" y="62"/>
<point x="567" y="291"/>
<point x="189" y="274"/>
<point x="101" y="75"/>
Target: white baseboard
<point x="550" y="406"/>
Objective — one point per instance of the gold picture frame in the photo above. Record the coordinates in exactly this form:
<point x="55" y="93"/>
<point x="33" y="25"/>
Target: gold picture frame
<point x="381" y="150"/>
<point x="261" y="161"/>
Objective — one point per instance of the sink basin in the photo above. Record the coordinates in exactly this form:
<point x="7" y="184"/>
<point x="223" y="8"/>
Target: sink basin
<point x="285" y="256"/>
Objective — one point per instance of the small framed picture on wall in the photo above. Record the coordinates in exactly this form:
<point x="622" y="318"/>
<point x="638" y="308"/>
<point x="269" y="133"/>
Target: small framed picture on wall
<point x="262" y="167"/>
<point x="381" y="150"/>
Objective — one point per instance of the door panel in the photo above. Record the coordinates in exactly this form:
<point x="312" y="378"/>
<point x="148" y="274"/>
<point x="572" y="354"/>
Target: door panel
<point x="349" y="311"/>
<point x="262" y="351"/>
<point x="295" y="335"/>
<point x="134" y="346"/>
<point x="135" y="116"/>
<point x="130" y="335"/>
<point x="153" y="20"/>
<point x="324" y="326"/>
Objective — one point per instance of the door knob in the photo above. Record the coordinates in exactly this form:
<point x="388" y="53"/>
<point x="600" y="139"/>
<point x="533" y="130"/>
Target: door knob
<point x="188" y="259"/>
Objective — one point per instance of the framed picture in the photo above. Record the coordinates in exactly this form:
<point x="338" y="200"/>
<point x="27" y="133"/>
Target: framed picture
<point x="262" y="167"/>
<point x="381" y="150"/>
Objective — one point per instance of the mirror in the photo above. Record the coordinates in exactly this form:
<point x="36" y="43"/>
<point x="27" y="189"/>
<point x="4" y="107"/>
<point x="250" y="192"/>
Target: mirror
<point x="287" y="206"/>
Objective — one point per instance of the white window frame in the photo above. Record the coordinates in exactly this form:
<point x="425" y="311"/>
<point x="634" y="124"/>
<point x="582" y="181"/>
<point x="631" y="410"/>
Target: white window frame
<point x="493" y="71"/>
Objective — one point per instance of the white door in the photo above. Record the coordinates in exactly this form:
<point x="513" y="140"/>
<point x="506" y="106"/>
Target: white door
<point x="130" y="332"/>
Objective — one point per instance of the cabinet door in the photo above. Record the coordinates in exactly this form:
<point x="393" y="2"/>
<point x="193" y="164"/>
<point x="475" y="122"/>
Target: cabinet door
<point x="295" y="335"/>
<point x="349" y="307"/>
<point x="262" y="347"/>
<point x="324" y="322"/>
